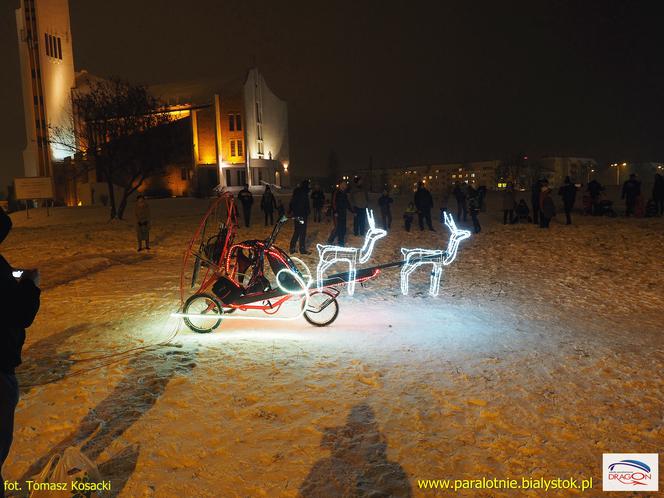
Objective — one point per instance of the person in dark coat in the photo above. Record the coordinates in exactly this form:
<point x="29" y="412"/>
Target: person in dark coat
<point x="658" y="193"/>
<point x="246" y="199"/>
<point x="594" y="189"/>
<point x="568" y="193"/>
<point x="268" y="205"/>
<point x="474" y="208"/>
<point x="547" y="209"/>
<point x="299" y="208"/>
<point x="630" y="193"/>
<point x="535" y="194"/>
<point x="318" y="201"/>
<point x="460" y="195"/>
<point x="359" y="199"/>
<point x="340" y="208"/>
<point x="509" y="202"/>
<point x="384" y="202"/>
<point x="424" y="203"/>
<point x="20" y="303"/>
<point x="142" y="214"/>
<point x="281" y="210"/>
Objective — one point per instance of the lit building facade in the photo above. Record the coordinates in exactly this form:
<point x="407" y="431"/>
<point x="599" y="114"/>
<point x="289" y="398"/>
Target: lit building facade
<point x="47" y="72"/>
<point x="238" y="127"/>
<point x="436" y="177"/>
<point x="239" y="130"/>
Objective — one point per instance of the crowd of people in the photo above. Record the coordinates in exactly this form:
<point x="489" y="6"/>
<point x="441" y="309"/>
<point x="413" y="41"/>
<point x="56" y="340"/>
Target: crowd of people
<point x="351" y="200"/>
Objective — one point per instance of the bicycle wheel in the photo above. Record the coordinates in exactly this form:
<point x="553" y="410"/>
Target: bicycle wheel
<point x="302" y="267"/>
<point x="322" y="308"/>
<point x="202" y="304"/>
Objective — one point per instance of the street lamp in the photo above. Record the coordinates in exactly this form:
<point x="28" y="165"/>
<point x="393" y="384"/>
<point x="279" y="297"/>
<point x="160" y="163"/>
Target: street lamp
<point x="617" y="166"/>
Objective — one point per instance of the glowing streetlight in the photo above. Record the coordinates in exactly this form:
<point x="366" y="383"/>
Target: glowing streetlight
<point x="617" y="166"/>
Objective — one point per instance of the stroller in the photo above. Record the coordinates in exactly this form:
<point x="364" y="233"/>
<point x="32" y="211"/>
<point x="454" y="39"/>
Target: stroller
<point x="605" y="208"/>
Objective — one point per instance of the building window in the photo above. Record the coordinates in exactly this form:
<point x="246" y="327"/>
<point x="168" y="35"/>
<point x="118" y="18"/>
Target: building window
<point x="239" y="148"/>
<point x="259" y="116"/>
<point x="260" y="148"/>
<point x="259" y="132"/>
<point x="232" y="148"/>
<point x="238" y="122"/>
<point x="53" y="46"/>
<point x="231" y="122"/>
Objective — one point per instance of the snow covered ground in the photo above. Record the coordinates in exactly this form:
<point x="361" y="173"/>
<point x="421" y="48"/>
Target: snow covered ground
<point x="543" y="351"/>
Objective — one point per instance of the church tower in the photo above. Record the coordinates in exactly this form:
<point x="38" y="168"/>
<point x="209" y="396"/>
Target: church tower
<point x="47" y="73"/>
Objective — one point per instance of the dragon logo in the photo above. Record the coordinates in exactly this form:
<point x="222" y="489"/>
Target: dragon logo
<point x="632" y="472"/>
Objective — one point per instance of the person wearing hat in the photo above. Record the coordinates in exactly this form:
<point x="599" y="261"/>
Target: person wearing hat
<point x="568" y="193"/>
<point x="142" y="213"/>
<point x="20" y="304"/>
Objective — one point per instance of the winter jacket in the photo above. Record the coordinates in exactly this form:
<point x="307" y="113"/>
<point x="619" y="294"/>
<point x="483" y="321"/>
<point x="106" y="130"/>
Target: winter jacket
<point x="20" y="303"/>
<point x="535" y="192"/>
<point x="631" y="189"/>
<point x="142" y="213"/>
<point x="459" y="193"/>
<point x="423" y="200"/>
<point x="268" y="202"/>
<point x="595" y="188"/>
<point x="410" y="212"/>
<point x="299" y="205"/>
<point x="473" y="202"/>
<point x="340" y="203"/>
<point x="509" y="199"/>
<point x="245" y="197"/>
<point x="568" y="193"/>
<point x="384" y="202"/>
<point x="318" y="198"/>
<point x="359" y="197"/>
<point x="547" y="207"/>
<point x="20" y="306"/>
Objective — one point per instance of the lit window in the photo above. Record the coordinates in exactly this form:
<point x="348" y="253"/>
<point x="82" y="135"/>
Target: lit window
<point x="453" y="176"/>
<point x="231" y="122"/>
<point x="473" y="175"/>
<point x="239" y="148"/>
<point x="232" y="148"/>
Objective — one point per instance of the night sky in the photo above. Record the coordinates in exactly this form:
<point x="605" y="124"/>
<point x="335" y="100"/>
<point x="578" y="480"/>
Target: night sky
<point x="407" y="83"/>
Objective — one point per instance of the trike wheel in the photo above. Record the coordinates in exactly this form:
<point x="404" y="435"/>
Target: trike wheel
<point x="322" y="308"/>
<point x="202" y="304"/>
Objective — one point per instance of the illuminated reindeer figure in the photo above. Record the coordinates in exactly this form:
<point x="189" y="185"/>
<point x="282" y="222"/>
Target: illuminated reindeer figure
<point x="414" y="258"/>
<point x="329" y="255"/>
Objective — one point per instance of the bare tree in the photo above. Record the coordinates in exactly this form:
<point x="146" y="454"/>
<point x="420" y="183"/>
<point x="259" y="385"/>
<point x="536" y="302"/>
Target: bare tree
<point x="123" y="132"/>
